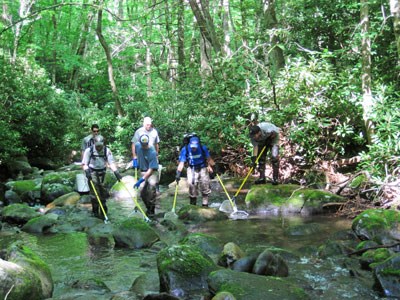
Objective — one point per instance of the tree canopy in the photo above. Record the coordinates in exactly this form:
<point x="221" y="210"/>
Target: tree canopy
<point x="326" y="72"/>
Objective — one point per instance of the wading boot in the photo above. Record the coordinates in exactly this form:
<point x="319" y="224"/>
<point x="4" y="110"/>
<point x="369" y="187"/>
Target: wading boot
<point x="205" y="202"/>
<point x="193" y="200"/>
<point x="275" y="176"/>
<point x="260" y="180"/>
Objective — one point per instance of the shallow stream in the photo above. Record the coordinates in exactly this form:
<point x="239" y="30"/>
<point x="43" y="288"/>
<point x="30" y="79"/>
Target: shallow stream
<point x="72" y="260"/>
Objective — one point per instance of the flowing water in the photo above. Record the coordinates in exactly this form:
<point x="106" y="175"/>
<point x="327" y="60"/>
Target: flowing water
<point x="72" y="260"/>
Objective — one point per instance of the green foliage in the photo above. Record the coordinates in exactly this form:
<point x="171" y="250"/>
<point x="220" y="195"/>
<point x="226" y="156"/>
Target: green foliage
<point x="35" y="115"/>
<point x="383" y="155"/>
<point x="322" y="107"/>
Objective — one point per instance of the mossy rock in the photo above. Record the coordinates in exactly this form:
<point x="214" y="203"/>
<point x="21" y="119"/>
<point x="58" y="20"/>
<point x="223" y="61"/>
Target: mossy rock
<point x="23" y="186"/>
<point x="184" y="267"/>
<point x="245" y="286"/>
<point x="198" y="214"/>
<point x="211" y="245"/>
<point x="18" y="213"/>
<point x="289" y="199"/>
<point x="70" y="199"/>
<point x="379" y="225"/>
<point x="387" y="277"/>
<point x="134" y="233"/>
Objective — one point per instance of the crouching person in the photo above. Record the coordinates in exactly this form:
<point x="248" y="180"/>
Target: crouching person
<point x="95" y="161"/>
<point x="148" y="165"/>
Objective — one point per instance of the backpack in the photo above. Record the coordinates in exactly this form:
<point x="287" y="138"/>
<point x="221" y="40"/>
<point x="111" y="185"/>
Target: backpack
<point x="98" y="155"/>
<point x="186" y="141"/>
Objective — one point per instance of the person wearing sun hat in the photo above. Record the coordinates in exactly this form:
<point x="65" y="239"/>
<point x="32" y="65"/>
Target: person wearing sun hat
<point x="148" y="166"/>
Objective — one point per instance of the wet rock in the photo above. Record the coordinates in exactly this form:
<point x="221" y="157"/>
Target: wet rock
<point x="245" y="264"/>
<point x="24" y="275"/>
<point x="18" y="214"/>
<point x="134" y="233"/>
<point x="379" y="225"/>
<point x="209" y="244"/>
<point x="270" y="264"/>
<point x="101" y="235"/>
<point x="70" y="199"/>
<point x="183" y="270"/>
<point x="223" y="296"/>
<point x="245" y="286"/>
<point x="146" y="284"/>
<point x="12" y="197"/>
<point x="198" y="214"/>
<point x="387" y="277"/>
<point x="289" y="199"/>
<point x="230" y="254"/>
<point x="41" y="224"/>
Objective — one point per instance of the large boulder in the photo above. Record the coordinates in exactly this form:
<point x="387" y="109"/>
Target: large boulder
<point x="245" y="286"/>
<point x="135" y="234"/>
<point x="70" y="199"/>
<point x="209" y="244"/>
<point x="18" y="214"/>
<point x="379" y="225"/>
<point x="41" y="224"/>
<point x="26" y="190"/>
<point x="183" y="270"/>
<point x="290" y="199"/>
<point x="197" y="214"/>
<point x="387" y="277"/>
<point x="24" y="275"/>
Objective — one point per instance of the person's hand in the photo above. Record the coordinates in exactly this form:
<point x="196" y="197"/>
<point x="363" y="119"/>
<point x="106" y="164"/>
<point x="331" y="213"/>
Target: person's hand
<point x="119" y="177"/>
<point x="178" y="176"/>
<point x="88" y="174"/>
<point x="135" y="163"/>
<point x="212" y="175"/>
<point x="138" y="183"/>
<point x="253" y="161"/>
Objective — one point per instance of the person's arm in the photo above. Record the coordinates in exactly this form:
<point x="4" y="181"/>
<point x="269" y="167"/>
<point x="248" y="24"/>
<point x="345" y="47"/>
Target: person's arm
<point x="133" y="151"/>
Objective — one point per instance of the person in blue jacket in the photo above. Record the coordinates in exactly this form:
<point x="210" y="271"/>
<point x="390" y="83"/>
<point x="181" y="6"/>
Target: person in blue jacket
<point x="199" y="167"/>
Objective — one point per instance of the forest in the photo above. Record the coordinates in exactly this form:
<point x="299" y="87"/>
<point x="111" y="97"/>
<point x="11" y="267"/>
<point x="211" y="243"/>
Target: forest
<point x="325" y="72"/>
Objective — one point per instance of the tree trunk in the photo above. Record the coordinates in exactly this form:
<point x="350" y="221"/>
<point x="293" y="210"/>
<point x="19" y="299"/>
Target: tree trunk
<point x="227" y="27"/>
<point x="395" y="11"/>
<point x="81" y="48"/>
<point x="104" y="44"/>
<point x="367" y="102"/>
<point x="181" y="39"/>
<point x="204" y="21"/>
<point x="54" y="52"/>
<point x="270" y="24"/>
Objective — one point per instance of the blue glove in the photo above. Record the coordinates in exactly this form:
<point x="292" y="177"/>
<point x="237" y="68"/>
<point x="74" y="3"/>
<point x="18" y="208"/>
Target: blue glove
<point x="138" y="183"/>
<point x="135" y="163"/>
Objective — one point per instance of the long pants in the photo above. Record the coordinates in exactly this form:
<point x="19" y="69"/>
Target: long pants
<point x="98" y="182"/>
<point x="148" y="191"/>
<point x="274" y="151"/>
<point x="199" y="180"/>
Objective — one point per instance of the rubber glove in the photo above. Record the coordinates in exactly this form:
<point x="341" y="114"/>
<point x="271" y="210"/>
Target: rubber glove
<point x="88" y="174"/>
<point x="138" y="183"/>
<point x="253" y="161"/>
<point x="178" y="176"/>
<point x="135" y="163"/>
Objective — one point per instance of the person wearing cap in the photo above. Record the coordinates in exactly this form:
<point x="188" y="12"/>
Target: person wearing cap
<point x="199" y="168"/>
<point x="89" y="140"/>
<point x="148" y="165"/>
<point x="95" y="161"/>
<point x="151" y="132"/>
<point x="265" y="135"/>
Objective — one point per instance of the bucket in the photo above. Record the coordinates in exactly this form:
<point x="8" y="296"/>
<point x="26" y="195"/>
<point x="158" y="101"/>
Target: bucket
<point x="82" y="184"/>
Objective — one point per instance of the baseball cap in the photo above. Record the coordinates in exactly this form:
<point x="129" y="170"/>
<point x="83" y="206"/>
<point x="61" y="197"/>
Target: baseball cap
<point x="144" y="139"/>
<point x="99" y="142"/>
<point x="194" y="142"/>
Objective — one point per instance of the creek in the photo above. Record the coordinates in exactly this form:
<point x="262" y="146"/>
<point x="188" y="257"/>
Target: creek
<point x="74" y="262"/>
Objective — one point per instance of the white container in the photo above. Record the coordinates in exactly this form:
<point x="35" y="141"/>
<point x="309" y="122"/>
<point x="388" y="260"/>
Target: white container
<point x="82" y="184"/>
